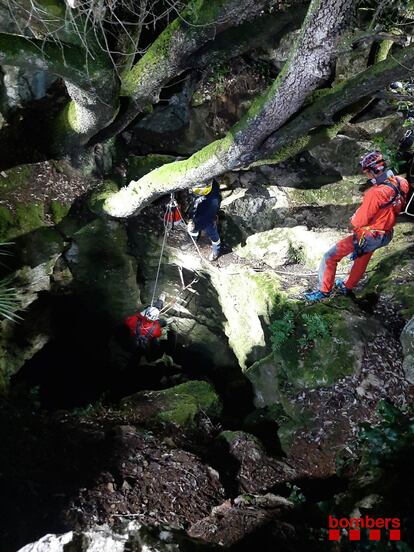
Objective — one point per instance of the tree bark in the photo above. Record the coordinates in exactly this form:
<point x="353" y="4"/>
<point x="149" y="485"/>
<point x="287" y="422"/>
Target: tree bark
<point x="308" y="66"/>
<point x="322" y="112"/>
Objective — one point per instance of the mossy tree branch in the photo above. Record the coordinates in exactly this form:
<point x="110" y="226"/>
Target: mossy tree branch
<point x="324" y="134"/>
<point x="65" y="61"/>
<point x="324" y="111"/>
<point x="308" y="66"/>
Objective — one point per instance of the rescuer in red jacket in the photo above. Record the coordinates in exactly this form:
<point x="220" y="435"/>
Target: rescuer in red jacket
<point x="372" y="226"/>
<point x="145" y="326"/>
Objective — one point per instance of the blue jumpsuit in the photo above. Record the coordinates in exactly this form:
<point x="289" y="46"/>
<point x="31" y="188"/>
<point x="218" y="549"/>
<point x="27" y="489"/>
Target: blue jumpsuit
<point x="203" y="212"/>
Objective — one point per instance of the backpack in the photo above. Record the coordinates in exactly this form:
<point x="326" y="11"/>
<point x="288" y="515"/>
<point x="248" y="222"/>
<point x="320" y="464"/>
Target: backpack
<point x="398" y="199"/>
<point x="142" y="341"/>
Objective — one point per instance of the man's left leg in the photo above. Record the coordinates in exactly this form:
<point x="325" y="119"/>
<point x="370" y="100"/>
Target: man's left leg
<point x="357" y="270"/>
<point x="214" y="236"/>
<point x="327" y="268"/>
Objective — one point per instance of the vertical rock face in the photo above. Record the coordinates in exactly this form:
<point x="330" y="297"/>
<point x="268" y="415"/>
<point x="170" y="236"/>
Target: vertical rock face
<point x="407" y="340"/>
<point x="104" y="273"/>
<point x="21" y="86"/>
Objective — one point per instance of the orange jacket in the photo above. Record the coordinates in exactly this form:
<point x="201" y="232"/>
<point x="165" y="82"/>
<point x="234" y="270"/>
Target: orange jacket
<point x="371" y="214"/>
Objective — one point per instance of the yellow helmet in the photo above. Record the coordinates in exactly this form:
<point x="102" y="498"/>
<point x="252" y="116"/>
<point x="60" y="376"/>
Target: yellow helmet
<point x="202" y="189"/>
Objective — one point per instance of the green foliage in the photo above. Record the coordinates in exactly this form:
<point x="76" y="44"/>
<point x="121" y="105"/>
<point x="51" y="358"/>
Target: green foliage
<point x="315" y="326"/>
<point x="393" y="434"/>
<point x="281" y="330"/>
<point x="9" y="302"/>
<point x="296" y="496"/>
<point x="390" y="153"/>
<point x="217" y="78"/>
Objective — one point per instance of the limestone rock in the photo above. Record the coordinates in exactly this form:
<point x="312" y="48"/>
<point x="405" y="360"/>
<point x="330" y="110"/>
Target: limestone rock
<point x="256" y="472"/>
<point x="328" y="359"/>
<point x="341" y="155"/>
<point x="177" y="405"/>
<point x="104" y="273"/>
<point x="257" y="208"/>
<point x="282" y="246"/>
<point x="22" y="85"/>
<point x="102" y="538"/>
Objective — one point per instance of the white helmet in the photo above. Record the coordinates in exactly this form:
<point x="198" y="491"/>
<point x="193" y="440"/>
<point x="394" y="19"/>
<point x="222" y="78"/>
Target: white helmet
<point x="152" y="313"/>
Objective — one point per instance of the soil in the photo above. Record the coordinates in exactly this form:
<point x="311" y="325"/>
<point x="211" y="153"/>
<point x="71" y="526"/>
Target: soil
<point x="48" y="182"/>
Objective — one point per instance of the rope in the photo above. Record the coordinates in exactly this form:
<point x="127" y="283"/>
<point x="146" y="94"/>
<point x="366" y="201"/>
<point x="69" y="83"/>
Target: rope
<point x="172" y="304"/>
<point x="174" y="205"/>
<point x="203" y="260"/>
<point x="166" y="229"/>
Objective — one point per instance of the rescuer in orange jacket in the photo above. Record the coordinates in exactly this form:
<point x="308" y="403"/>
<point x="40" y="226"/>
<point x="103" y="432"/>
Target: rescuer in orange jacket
<point x="372" y="225"/>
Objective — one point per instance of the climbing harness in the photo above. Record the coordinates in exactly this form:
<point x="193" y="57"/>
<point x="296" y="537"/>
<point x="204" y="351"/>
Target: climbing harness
<point x="142" y="339"/>
<point x="172" y="216"/>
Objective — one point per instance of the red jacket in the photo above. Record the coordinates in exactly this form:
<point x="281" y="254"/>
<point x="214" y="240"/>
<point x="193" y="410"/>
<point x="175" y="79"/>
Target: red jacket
<point x="146" y="326"/>
<point x="370" y="212"/>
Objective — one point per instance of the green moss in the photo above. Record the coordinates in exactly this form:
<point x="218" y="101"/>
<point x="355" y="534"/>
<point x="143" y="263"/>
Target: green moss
<point x="17" y="177"/>
<point x="25" y="219"/>
<point x="29" y="217"/>
<point x="139" y="166"/>
<point x="180" y="405"/>
<point x="101" y="194"/>
<point x="198" y="13"/>
<point x="383" y="50"/>
<point x="6" y="223"/>
<point x="310" y="359"/>
<point x="391" y="272"/>
<point x="58" y="210"/>
<point x="346" y="191"/>
<point x="53" y="7"/>
<point x="156" y="54"/>
<point x="65" y="123"/>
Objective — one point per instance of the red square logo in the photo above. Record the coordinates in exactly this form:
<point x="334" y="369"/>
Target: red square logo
<point x="375" y="535"/>
<point x="354" y="535"/>
<point x="334" y="535"/>
<point x="395" y="534"/>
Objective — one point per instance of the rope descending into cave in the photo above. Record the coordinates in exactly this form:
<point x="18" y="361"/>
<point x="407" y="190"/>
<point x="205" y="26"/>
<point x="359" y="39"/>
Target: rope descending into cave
<point x="168" y="225"/>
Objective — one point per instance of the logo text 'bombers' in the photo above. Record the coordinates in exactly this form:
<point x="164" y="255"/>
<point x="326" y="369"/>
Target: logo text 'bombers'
<point x="378" y="528"/>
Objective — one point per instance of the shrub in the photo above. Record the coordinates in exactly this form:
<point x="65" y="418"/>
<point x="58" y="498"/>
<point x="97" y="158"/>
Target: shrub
<point x="281" y="330"/>
<point x="315" y="327"/>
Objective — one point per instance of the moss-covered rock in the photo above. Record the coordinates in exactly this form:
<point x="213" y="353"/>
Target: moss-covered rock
<point x="341" y="154"/>
<point x="342" y="192"/>
<point x="59" y="210"/>
<point x="282" y="246"/>
<point x="177" y="405"/>
<point x="100" y="195"/>
<point x="247" y="299"/>
<point x="303" y="361"/>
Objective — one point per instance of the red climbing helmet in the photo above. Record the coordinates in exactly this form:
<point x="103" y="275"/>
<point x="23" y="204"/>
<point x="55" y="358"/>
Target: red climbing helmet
<point x="373" y="161"/>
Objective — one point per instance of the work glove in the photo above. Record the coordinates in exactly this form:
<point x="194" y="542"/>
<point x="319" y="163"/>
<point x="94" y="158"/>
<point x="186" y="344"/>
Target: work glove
<point x="191" y="226"/>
